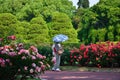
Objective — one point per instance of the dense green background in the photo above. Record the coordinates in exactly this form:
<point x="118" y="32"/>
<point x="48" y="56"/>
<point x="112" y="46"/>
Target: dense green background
<point x="37" y="21"/>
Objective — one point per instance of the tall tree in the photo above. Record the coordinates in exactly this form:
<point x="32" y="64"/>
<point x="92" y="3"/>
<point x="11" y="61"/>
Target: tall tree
<point x="103" y="18"/>
<point x="6" y="22"/>
<point x="38" y="31"/>
<point x="83" y="4"/>
<point x="61" y="24"/>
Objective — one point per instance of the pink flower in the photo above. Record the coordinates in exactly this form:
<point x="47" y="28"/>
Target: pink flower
<point x="34" y="49"/>
<point x="12" y="37"/>
<point x="39" y="56"/>
<point x="75" y="56"/>
<point x="44" y="57"/>
<point x="42" y="67"/>
<point x="33" y="65"/>
<point x="19" y="46"/>
<point x="2" y="62"/>
<point x="37" y="69"/>
<point x="12" y="54"/>
<point x="23" y="51"/>
<point x="80" y="57"/>
<point x="8" y="60"/>
<point x="33" y="57"/>
<point x="1" y="39"/>
<point x="23" y="57"/>
<point x="25" y="68"/>
<point x="41" y="62"/>
<point x="1" y="48"/>
<point x="54" y="60"/>
<point x="19" y="70"/>
<point x="3" y="52"/>
<point x="31" y="70"/>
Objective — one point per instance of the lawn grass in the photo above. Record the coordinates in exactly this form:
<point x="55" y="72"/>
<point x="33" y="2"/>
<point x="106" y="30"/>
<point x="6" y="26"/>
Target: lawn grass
<point x="92" y="69"/>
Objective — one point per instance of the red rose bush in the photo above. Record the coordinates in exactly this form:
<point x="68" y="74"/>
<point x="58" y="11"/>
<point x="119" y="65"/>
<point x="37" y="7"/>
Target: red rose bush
<point x="105" y="54"/>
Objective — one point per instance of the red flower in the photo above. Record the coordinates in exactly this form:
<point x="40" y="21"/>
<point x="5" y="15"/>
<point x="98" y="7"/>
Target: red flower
<point x="80" y="57"/>
<point x="75" y="56"/>
<point x="82" y="47"/>
<point x="1" y="39"/>
<point x="12" y="37"/>
<point x="70" y="56"/>
<point x="97" y="59"/>
<point x="85" y="53"/>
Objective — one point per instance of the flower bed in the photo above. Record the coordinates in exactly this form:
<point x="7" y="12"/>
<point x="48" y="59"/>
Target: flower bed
<point x="100" y="55"/>
<point x="15" y="60"/>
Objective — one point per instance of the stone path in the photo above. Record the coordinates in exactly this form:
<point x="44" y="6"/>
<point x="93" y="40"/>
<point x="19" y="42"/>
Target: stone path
<point x="78" y="75"/>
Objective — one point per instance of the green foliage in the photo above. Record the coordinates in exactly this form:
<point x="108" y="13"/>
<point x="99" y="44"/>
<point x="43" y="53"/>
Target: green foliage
<point x="32" y="18"/>
<point x="46" y="50"/>
<point x="27" y="18"/>
<point x="101" y="34"/>
<point x="28" y="9"/>
<point x="21" y="32"/>
<point x="61" y="24"/>
<point x="83" y="4"/>
<point x="65" y="58"/>
<point x="110" y="33"/>
<point x="6" y="22"/>
<point x="114" y="3"/>
<point x="39" y="31"/>
<point x="98" y="19"/>
<point x="7" y="19"/>
<point x="92" y="36"/>
<point x="117" y="32"/>
<point x="110" y="36"/>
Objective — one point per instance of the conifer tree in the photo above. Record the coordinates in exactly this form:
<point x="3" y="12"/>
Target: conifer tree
<point x="83" y="4"/>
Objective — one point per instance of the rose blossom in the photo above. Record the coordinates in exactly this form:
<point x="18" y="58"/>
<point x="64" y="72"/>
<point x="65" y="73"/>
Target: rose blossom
<point x="33" y="64"/>
<point x="31" y="70"/>
<point x="37" y="69"/>
<point x="33" y="57"/>
<point x="25" y="68"/>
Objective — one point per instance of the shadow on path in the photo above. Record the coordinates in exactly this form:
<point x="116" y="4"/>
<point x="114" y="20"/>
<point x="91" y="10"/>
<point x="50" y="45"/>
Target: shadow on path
<point x="77" y="75"/>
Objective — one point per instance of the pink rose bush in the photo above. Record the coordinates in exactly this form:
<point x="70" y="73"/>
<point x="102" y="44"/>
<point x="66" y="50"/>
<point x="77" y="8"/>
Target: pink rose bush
<point x="16" y="60"/>
<point x="105" y="54"/>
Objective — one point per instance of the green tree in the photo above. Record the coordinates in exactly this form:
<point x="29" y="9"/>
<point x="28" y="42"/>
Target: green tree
<point x="28" y="12"/>
<point x="108" y="12"/>
<point x="77" y="18"/>
<point x="101" y="34"/>
<point x="28" y="9"/>
<point x="61" y="24"/>
<point x="92" y="37"/>
<point x="6" y="20"/>
<point x="98" y="17"/>
<point x="83" y="4"/>
<point x="21" y="32"/>
<point x="117" y="32"/>
<point x="38" y="31"/>
<point x="110" y="33"/>
<point x="114" y="3"/>
<point x="87" y="19"/>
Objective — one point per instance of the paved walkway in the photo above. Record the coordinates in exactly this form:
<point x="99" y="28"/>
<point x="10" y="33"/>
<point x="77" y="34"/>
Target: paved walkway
<point x="77" y="75"/>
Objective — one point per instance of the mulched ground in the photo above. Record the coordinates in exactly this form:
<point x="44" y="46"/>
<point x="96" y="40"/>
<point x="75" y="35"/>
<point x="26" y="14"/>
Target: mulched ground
<point x="80" y="75"/>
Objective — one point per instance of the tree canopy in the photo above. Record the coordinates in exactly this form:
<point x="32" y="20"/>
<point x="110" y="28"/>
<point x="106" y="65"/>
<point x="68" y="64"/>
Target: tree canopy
<point x="37" y="21"/>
